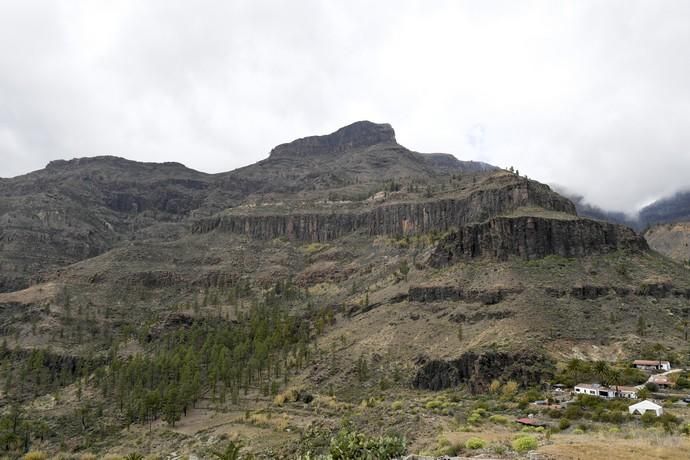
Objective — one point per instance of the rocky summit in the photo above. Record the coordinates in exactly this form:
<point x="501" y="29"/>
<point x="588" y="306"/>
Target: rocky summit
<point x="341" y="286"/>
<point x="362" y="134"/>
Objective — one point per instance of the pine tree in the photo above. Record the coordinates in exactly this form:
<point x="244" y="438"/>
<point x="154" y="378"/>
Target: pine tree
<point x="171" y="409"/>
<point x="641" y="326"/>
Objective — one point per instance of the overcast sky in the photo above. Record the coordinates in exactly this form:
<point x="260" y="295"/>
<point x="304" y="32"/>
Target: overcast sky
<point x="594" y="96"/>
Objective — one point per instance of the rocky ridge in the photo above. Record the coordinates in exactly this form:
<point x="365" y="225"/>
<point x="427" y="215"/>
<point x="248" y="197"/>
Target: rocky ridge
<point x="392" y="219"/>
<point x="531" y="238"/>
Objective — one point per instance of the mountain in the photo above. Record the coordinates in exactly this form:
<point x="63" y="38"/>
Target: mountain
<point x="359" y="153"/>
<point x="671" y="209"/>
<point x="153" y="307"/>
<point x="74" y="210"/>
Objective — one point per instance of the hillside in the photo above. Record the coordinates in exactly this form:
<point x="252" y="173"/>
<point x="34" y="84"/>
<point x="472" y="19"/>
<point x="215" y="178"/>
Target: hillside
<point x="153" y="307"/>
<point x="671" y="209"/>
<point x="672" y="240"/>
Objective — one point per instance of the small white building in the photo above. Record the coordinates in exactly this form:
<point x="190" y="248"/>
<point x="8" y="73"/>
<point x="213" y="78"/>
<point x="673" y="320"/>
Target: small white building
<point x="650" y="365"/>
<point x="595" y="389"/>
<point x="641" y="407"/>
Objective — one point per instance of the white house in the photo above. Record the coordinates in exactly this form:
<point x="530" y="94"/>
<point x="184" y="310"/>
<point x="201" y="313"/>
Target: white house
<point x="595" y="389"/>
<point x="650" y="365"/>
<point x="641" y="407"/>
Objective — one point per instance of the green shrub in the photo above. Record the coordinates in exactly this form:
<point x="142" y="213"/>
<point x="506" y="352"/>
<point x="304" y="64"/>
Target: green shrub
<point x="35" y="455"/>
<point x="397" y="405"/>
<point x="433" y="404"/>
<point x="554" y="413"/>
<point x="578" y="431"/>
<point x="450" y="450"/>
<point x="525" y="443"/>
<point x="475" y="443"/>
<point x="564" y="424"/>
<point x="573" y="412"/>
<point x="474" y="419"/>
<point x="352" y="445"/>
<point x="683" y="381"/>
<point x="533" y="395"/>
<point x="498" y="449"/>
<point x="668" y="421"/>
<point x="499" y="419"/>
<point x="651" y="386"/>
<point x="481" y="411"/>
<point x="648" y="418"/>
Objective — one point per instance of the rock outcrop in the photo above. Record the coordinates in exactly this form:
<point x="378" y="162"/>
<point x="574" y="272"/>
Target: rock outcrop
<point x="534" y="238"/>
<point x="656" y="289"/>
<point x="457" y="293"/>
<point x="458" y="317"/>
<point x="478" y="370"/>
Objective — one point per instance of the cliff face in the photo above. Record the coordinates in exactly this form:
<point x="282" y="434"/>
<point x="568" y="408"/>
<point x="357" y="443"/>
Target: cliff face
<point x="477" y="370"/>
<point x="534" y="238"/>
<point x="428" y="294"/>
<point x="391" y="219"/>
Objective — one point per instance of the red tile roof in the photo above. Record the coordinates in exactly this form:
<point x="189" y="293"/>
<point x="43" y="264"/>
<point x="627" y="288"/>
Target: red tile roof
<point x="530" y="421"/>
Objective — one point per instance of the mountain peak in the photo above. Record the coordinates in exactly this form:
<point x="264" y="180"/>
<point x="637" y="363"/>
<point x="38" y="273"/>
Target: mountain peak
<point x="357" y="135"/>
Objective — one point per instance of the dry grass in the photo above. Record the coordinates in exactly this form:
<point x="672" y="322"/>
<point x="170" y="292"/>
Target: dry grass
<point x="35" y="455"/>
<point x="330" y="403"/>
<point x="276" y="422"/>
<point x="30" y="295"/>
<point x="288" y="395"/>
<point x="638" y="445"/>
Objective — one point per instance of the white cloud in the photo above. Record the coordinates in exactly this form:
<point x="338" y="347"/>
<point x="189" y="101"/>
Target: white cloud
<point x="590" y="95"/>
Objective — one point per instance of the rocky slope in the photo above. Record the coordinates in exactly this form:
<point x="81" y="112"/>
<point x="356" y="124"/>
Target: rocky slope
<point x="672" y="240"/>
<point x="77" y="209"/>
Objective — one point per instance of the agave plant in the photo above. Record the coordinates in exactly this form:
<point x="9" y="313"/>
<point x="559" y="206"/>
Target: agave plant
<point x="231" y="451"/>
<point x="134" y="456"/>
